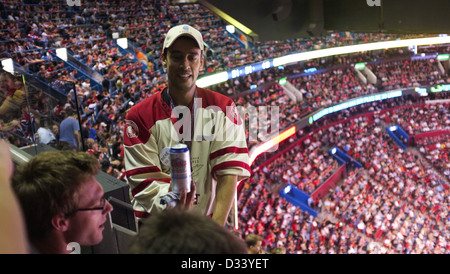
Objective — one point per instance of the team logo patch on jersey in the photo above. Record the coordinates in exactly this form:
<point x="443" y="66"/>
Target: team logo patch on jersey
<point x="233" y="115"/>
<point x="132" y="129"/>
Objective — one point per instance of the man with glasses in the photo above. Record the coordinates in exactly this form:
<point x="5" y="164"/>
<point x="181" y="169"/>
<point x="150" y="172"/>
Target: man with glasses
<point x="62" y="202"/>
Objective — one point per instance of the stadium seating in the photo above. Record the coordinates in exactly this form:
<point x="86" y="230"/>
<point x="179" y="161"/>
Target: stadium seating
<point x="398" y="202"/>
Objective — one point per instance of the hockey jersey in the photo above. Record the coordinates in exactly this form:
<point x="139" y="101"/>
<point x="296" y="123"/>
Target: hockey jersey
<point x="212" y="128"/>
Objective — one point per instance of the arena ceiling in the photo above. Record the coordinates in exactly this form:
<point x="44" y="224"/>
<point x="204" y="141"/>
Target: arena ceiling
<point x="284" y="19"/>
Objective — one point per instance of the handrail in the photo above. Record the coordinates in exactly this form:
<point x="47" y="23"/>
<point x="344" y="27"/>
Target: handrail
<point x="39" y="84"/>
<point x="18" y="156"/>
<point x="97" y="77"/>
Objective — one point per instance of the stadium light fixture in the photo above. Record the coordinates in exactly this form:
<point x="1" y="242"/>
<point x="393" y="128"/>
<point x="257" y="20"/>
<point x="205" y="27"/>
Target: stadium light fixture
<point x="287" y="189"/>
<point x="228" y="18"/>
<point x="260" y="149"/>
<point x="123" y="43"/>
<point x="230" y="28"/>
<point x="212" y="79"/>
<point x="8" y="65"/>
<point x="309" y="55"/>
<point x="62" y="53"/>
<point x="296" y="57"/>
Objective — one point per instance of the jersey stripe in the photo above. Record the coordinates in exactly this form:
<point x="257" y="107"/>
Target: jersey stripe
<point x="141" y="214"/>
<point x="226" y="150"/>
<point x="142" y="170"/>
<point x="230" y="164"/>
<point x="142" y="185"/>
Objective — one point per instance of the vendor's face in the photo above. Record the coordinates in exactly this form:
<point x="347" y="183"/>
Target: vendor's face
<point x="183" y="61"/>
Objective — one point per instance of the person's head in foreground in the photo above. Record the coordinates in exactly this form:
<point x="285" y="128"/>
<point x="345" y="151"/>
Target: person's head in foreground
<point x="62" y="201"/>
<point x="185" y="232"/>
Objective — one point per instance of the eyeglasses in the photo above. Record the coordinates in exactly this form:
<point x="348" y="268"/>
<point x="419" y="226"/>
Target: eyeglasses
<point x="101" y="207"/>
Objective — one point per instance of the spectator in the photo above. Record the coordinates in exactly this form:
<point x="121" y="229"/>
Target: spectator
<point x="92" y="146"/>
<point x="44" y="133"/>
<point x="277" y="250"/>
<point x="254" y="244"/>
<point x="62" y="201"/>
<point x="13" y="92"/>
<point x="177" y="231"/>
<point x="55" y="131"/>
<point x="69" y="131"/>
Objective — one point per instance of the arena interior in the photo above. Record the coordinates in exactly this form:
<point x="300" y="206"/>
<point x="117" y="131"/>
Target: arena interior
<point x="356" y="162"/>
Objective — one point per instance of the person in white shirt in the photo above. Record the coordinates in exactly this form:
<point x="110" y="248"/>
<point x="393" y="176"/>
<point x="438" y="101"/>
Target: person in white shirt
<point x="44" y="133"/>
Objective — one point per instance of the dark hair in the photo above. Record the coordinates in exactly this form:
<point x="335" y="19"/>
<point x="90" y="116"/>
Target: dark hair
<point x="185" y="232"/>
<point x="70" y="111"/>
<point x="48" y="184"/>
<point x="252" y="239"/>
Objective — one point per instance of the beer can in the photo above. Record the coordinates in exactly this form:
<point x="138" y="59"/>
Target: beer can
<point x="180" y="165"/>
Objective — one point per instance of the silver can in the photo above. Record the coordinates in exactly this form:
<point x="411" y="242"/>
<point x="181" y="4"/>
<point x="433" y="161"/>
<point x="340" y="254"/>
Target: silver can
<point x="180" y="168"/>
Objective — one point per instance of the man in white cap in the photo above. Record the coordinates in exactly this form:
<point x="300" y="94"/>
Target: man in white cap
<point x="153" y="126"/>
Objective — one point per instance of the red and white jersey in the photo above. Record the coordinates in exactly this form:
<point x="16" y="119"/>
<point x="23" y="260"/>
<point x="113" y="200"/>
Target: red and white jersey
<point x="218" y="147"/>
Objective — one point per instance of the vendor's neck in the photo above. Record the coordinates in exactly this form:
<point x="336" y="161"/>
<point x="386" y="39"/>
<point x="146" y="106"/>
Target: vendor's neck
<point x="181" y="97"/>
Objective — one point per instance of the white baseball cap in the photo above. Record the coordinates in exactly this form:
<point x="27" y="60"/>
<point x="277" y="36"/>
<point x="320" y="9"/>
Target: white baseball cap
<point x="183" y="30"/>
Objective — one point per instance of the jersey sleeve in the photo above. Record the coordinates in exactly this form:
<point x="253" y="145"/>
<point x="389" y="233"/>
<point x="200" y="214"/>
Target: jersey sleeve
<point x="229" y="151"/>
<point x="143" y="169"/>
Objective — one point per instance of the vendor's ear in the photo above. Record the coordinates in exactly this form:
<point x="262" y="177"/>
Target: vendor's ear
<point x="164" y="62"/>
<point x="163" y="59"/>
<point x="202" y="62"/>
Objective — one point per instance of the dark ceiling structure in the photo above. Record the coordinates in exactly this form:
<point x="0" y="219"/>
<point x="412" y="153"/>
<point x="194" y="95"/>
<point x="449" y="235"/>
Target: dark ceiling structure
<point x="286" y="19"/>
